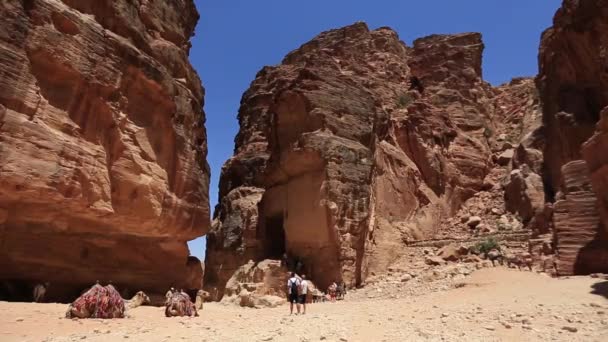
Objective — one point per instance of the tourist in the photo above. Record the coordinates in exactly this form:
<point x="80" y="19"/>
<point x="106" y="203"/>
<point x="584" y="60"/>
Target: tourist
<point x="303" y="293"/>
<point x="340" y="294"/>
<point x="293" y="285"/>
<point x="332" y="291"/>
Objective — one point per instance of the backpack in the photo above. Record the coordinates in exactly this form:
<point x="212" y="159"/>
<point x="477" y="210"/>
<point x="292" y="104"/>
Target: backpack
<point x="294" y="287"/>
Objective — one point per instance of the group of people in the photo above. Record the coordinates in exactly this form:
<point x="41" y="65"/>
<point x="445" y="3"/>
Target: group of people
<point x="298" y="288"/>
<point x="336" y="291"/>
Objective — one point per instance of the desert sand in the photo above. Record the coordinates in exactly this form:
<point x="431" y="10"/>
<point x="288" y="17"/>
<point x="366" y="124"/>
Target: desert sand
<point x="495" y="304"/>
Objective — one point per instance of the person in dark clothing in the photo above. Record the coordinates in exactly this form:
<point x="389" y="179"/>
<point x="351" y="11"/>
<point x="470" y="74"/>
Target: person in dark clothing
<point x="293" y="292"/>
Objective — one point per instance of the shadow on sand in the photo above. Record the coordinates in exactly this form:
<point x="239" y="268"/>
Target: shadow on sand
<point x="600" y="289"/>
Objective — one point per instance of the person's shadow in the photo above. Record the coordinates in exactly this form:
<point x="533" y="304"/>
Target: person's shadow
<point x="600" y="288"/>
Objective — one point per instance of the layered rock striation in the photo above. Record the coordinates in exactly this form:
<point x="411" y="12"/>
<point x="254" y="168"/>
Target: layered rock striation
<point x="338" y="163"/>
<point x="573" y="83"/>
<point x="103" y="171"/>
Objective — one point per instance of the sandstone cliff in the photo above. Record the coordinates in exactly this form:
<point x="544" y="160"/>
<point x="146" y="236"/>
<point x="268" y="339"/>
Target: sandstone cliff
<point x="339" y="164"/>
<point x="103" y="171"/>
<point x="573" y="82"/>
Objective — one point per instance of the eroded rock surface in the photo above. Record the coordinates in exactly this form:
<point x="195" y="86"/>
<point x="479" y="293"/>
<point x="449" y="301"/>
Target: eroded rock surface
<point x="339" y="164"/>
<point x="257" y="285"/>
<point x="573" y="80"/>
<point x="103" y="171"/>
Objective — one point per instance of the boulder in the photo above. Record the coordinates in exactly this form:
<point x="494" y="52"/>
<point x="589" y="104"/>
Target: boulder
<point x="473" y="221"/>
<point x="434" y="260"/>
<point x="251" y="300"/>
<point x="257" y="285"/>
<point x="452" y="252"/>
<point x="505" y="157"/>
<point x="524" y="194"/>
<point x="471" y="259"/>
<point x="449" y="253"/>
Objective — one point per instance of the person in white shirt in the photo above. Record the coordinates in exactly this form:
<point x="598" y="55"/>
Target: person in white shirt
<point x="303" y="293"/>
<point x="293" y="287"/>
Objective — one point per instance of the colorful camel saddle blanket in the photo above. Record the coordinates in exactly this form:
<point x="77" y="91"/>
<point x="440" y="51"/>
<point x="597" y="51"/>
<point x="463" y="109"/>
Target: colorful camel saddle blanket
<point x="180" y="304"/>
<point x="101" y="302"/>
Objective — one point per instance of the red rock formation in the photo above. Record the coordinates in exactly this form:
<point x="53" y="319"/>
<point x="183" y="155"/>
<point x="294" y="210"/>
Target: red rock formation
<point x="594" y="152"/>
<point x="573" y="80"/>
<point x="103" y="172"/>
<point x="519" y="106"/>
<point x="339" y="164"/>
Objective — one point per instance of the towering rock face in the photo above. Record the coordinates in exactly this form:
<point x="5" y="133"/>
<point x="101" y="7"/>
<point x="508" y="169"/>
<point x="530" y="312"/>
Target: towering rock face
<point x="339" y="164"/>
<point x="103" y="171"/>
<point x="573" y="83"/>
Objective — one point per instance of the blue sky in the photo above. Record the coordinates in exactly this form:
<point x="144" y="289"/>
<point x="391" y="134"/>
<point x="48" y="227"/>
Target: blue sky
<point x="235" y="38"/>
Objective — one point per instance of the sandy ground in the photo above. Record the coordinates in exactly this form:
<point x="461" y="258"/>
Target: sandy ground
<point x="494" y="305"/>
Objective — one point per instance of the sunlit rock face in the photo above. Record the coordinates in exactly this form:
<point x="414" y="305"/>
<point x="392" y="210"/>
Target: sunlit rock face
<point x="339" y="163"/>
<point x="103" y="171"/>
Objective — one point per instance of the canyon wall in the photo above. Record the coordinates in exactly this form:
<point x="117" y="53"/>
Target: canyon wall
<point x="103" y="172"/>
<point x="339" y="163"/>
<point x="573" y="83"/>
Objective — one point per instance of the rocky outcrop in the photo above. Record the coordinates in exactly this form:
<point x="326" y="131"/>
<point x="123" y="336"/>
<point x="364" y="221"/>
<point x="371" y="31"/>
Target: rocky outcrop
<point x="257" y="285"/>
<point x="103" y="145"/>
<point x="594" y="153"/>
<point x="573" y="80"/>
<point x="522" y="141"/>
<point x="232" y="240"/>
<point x="339" y="163"/>
<point x="576" y="222"/>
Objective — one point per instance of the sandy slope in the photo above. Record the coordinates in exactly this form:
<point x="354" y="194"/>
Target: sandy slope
<point x="495" y="305"/>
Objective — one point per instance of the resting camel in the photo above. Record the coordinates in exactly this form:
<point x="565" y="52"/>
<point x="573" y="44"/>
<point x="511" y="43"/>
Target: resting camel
<point x="104" y="302"/>
<point x="179" y="304"/>
<point x="201" y="297"/>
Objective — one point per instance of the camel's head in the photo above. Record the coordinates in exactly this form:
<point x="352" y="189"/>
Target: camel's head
<point x="203" y="294"/>
<point x="142" y="297"/>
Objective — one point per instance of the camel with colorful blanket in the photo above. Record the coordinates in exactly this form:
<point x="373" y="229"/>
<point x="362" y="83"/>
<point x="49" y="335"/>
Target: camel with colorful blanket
<point x="179" y="304"/>
<point x="104" y="302"/>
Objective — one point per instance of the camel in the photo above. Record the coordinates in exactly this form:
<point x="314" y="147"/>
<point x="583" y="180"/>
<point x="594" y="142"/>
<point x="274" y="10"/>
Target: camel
<point x="139" y="299"/>
<point x="201" y="297"/>
<point x="180" y="305"/>
<point x="103" y="302"/>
